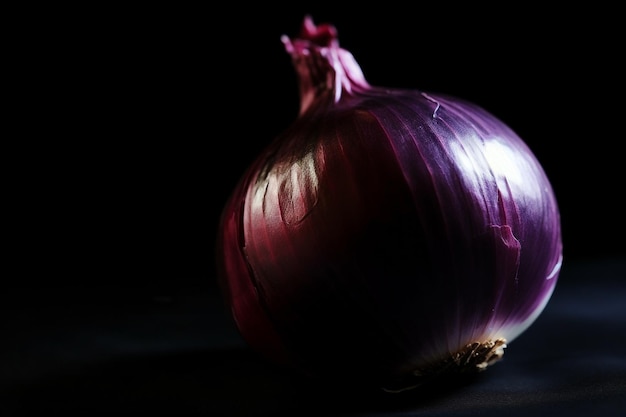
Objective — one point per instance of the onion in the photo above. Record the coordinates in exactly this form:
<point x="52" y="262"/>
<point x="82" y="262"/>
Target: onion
<point x="388" y="236"/>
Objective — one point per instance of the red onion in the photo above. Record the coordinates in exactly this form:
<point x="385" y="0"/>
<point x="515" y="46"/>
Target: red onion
<point x="388" y="235"/>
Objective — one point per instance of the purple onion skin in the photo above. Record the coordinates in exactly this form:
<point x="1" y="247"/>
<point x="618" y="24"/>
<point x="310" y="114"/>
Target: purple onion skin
<point x="386" y="230"/>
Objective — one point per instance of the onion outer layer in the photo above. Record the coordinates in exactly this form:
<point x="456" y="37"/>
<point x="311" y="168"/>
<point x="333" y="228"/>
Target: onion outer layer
<point x="387" y="236"/>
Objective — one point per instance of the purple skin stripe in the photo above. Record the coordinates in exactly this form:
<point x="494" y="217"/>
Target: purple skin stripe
<point x="385" y="228"/>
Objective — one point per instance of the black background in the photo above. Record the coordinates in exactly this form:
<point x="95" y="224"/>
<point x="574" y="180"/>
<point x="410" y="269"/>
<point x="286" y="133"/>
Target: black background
<point x="151" y="115"/>
<point x="147" y="117"/>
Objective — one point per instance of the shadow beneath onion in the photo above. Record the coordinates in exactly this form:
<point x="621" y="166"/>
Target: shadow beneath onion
<point x="216" y="383"/>
<point x="353" y="399"/>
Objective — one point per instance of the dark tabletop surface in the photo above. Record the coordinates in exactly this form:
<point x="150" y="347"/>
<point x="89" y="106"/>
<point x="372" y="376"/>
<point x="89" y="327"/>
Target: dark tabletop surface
<point x="180" y="355"/>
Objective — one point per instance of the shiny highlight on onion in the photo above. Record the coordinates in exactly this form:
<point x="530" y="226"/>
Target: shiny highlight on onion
<point x="388" y="236"/>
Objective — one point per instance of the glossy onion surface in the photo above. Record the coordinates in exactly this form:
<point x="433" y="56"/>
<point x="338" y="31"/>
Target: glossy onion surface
<point x="387" y="233"/>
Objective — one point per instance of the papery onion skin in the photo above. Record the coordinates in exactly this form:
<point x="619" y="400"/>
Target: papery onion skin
<point x="387" y="233"/>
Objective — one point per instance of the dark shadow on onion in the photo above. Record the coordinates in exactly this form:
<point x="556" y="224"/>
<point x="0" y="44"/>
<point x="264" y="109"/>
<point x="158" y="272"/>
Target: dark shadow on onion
<point x="223" y="383"/>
